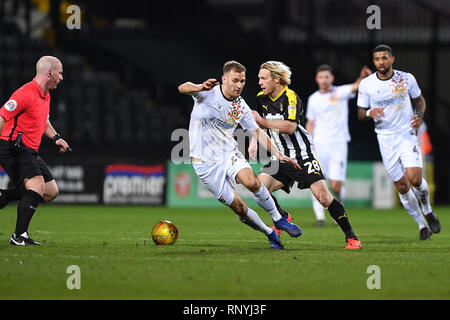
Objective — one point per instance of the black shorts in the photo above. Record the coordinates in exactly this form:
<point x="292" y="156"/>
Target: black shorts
<point x="20" y="163"/>
<point x="287" y="174"/>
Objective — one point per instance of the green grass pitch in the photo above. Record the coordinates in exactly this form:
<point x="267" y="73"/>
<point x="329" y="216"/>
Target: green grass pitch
<point x="217" y="257"/>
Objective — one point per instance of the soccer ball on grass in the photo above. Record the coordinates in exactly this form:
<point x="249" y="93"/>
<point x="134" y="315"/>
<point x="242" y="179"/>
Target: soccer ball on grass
<point x="164" y="232"/>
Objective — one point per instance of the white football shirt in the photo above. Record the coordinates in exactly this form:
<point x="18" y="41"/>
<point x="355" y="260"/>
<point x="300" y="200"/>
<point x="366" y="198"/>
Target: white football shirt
<point x="213" y="122"/>
<point x="329" y="111"/>
<point x="393" y="95"/>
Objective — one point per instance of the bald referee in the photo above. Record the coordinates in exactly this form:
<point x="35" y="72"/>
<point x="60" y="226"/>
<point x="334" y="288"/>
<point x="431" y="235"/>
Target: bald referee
<point x="24" y="118"/>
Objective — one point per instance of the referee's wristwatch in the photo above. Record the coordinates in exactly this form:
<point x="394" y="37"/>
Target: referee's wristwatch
<point x="56" y="137"/>
<point x="368" y="113"/>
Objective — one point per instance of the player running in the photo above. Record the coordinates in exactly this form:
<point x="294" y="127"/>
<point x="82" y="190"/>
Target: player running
<point x="218" y="109"/>
<point x="393" y="99"/>
<point x="280" y="110"/>
<point x="327" y="121"/>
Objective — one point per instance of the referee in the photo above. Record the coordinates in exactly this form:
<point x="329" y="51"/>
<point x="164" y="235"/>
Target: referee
<point x="24" y="118"/>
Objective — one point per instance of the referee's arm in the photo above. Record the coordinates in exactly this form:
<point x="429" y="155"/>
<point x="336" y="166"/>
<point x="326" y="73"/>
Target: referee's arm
<point x="2" y="124"/>
<point x="52" y="134"/>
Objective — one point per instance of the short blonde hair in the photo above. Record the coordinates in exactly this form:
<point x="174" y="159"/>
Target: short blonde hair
<point x="278" y="69"/>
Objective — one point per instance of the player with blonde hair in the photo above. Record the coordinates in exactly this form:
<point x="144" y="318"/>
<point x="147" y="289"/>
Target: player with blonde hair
<point x="280" y="111"/>
<point x="279" y="70"/>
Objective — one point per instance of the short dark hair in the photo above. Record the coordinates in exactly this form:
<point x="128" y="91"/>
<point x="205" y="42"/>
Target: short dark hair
<point x="383" y="47"/>
<point x="324" y="67"/>
<point x="233" y="65"/>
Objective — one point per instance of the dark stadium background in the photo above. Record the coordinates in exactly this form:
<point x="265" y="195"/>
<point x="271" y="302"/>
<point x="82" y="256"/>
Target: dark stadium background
<point x="119" y="101"/>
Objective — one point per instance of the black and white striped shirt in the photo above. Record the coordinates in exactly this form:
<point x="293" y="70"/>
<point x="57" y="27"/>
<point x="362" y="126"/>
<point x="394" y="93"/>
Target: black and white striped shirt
<point x="287" y="106"/>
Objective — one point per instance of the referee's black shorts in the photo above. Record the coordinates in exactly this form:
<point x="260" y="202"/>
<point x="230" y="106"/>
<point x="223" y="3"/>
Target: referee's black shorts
<point x="21" y="163"/>
<point x="287" y="174"/>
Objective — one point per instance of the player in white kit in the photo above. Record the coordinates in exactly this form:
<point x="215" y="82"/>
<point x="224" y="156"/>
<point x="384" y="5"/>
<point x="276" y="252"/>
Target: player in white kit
<point x="327" y="121"/>
<point x="218" y="109"/>
<point x="388" y="97"/>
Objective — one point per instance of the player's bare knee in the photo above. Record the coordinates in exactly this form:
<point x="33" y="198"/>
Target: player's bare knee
<point x="49" y="197"/>
<point x="416" y="181"/>
<point x="254" y="185"/>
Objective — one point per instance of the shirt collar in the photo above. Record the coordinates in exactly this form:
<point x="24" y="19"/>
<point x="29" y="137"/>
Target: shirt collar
<point x="279" y="95"/>
<point x="38" y="88"/>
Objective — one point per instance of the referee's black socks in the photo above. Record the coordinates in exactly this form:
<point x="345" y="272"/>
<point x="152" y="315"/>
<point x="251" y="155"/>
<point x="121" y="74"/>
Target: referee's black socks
<point x="25" y="210"/>
<point x="13" y="194"/>
<point x="337" y="212"/>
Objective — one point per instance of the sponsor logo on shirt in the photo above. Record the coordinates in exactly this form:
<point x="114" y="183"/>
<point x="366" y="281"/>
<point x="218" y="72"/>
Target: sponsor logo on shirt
<point x="223" y="124"/>
<point x="274" y="116"/>
<point x="385" y="103"/>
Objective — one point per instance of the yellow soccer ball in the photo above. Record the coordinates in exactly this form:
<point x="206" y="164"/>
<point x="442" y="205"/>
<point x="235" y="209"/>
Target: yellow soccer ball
<point x="164" y="232"/>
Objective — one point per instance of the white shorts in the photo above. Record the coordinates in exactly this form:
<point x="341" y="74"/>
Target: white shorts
<point x="332" y="157"/>
<point x="220" y="177"/>
<point x="399" y="151"/>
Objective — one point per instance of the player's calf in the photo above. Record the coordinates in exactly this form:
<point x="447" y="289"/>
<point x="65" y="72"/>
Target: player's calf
<point x="238" y="206"/>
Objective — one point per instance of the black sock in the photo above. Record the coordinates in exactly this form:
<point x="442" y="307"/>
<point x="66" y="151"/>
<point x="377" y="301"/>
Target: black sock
<point x="337" y="212"/>
<point x="13" y="194"/>
<point x="25" y="210"/>
<point x="279" y="208"/>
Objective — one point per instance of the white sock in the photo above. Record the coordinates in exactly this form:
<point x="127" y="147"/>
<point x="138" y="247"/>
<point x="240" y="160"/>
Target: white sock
<point x="263" y="198"/>
<point x="423" y="195"/>
<point x="411" y="204"/>
<point x="319" y="210"/>
<point x="342" y="195"/>
<point x="253" y="220"/>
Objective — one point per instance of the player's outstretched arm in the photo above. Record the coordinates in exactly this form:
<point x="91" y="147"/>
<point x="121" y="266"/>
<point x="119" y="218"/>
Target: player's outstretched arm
<point x="267" y="144"/>
<point x="191" y="88"/>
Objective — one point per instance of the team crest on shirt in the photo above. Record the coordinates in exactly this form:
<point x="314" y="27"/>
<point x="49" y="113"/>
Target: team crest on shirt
<point x="399" y="86"/>
<point x="235" y="112"/>
<point x="11" y="105"/>
<point x="399" y="90"/>
<point x="334" y="98"/>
